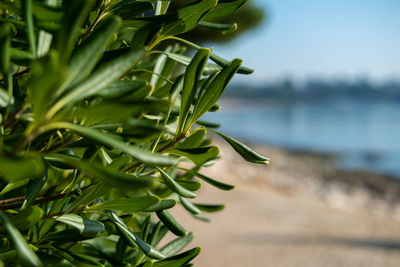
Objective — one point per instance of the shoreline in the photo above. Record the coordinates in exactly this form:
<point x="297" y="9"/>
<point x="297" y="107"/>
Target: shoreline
<point x="298" y="211"/>
<point x="317" y="175"/>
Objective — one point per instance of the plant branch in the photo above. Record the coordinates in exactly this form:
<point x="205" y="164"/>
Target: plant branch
<point x="7" y="204"/>
<point x="167" y="146"/>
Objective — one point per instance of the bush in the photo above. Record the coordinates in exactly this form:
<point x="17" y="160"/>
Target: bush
<point x="101" y="132"/>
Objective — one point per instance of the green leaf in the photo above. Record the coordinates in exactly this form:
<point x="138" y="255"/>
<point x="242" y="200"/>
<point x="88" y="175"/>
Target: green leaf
<point x="121" y="88"/>
<point x="89" y="195"/>
<point x="121" y="180"/>
<point x="139" y="154"/>
<point x="176" y="245"/>
<point x="29" y="26"/>
<point x="162" y="205"/>
<point x="89" y="52"/>
<point x="194" y="140"/>
<point x="190" y="85"/>
<point x="100" y="79"/>
<point x="15" y="169"/>
<point x="217" y="59"/>
<point x="188" y="17"/>
<point x="47" y="74"/>
<point x="133" y="239"/>
<point x="25" y="253"/>
<point x="86" y="227"/>
<point x="171" y="223"/>
<point x="189" y="184"/>
<point x="189" y="206"/>
<point x="128" y="204"/>
<point x="218" y="184"/>
<point x="131" y="9"/>
<point x="179" y="260"/>
<point x="225" y="28"/>
<point x="184" y="60"/>
<point x="214" y="90"/>
<point x="223" y="9"/>
<point x="4" y="98"/>
<point x="198" y="155"/>
<point x="243" y="150"/>
<point x="33" y="190"/>
<point x="5" y="48"/>
<point x="209" y="207"/>
<point x="74" y="18"/>
<point x="28" y="217"/>
<point x="174" y="186"/>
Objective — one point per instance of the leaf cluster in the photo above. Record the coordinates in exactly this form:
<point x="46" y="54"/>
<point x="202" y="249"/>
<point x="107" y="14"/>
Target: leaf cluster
<point x="100" y="130"/>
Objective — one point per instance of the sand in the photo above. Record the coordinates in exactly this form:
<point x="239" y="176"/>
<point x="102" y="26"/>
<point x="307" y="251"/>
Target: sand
<point x="287" y="214"/>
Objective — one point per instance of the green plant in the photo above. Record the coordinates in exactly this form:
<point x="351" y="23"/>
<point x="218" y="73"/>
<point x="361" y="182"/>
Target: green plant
<point x="97" y="119"/>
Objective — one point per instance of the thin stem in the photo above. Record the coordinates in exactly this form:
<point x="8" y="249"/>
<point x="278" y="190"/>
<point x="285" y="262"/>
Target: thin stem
<point x="9" y="203"/>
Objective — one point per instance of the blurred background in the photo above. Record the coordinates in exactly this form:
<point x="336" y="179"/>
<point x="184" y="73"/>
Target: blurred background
<point x="324" y="105"/>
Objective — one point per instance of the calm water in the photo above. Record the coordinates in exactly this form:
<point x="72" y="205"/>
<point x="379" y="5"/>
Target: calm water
<point x="366" y="134"/>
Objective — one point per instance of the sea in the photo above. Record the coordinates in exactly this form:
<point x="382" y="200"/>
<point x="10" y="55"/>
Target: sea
<point x="364" y="134"/>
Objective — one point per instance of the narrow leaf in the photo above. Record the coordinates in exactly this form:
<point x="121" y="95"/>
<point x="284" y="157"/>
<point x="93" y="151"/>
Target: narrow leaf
<point x="190" y="85"/>
<point x="139" y="154"/>
<point x="133" y="239"/>
<point x="215" y="89"/>
<point x="162" y="205"/>
<point x="121" y="180"/>
<point x="189" y="206"/>
<point x="101" y="78"/>
<point x="243" y="150"/>
<point x="176" y="245"/>
<point x="171" y="223"/>
<point x="174" y="186"/>
<point x="209" y="207"/>
<point x="86" y="227"/>
<point x="128" y="204"/>
<point x="179" y="260"/>
<point x="25" y="253"/>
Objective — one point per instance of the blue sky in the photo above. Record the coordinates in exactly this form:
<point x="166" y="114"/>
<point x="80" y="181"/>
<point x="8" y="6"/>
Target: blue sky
<point x="322" y="38"/>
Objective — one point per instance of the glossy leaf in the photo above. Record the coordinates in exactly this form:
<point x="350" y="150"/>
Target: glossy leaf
<point x="133" y="239"/>
<point x="215" y="89"/>
<point x="218" y="184"/>
<point x="171" y="223"/>
<point x="243" y="150"/>
<point x="198" y="155"/>
<point x="179" y="260"/>
<point x="176" y="245"/>
<point x="209" y="207"/>
<point x="88" y="53"/>
<point x="188" y="17"/>
<point x="162" y="205"/>
<point x="84" y="226"/>
<point x="190" y="85"/>
<point x="189" y="206"/>
<point x="33" y="189"/>
<point x="100" y="79"/>
<point x="174" y="186"/>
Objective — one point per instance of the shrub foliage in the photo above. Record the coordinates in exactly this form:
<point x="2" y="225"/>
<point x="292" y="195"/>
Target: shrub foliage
<point x="100" y="130"/>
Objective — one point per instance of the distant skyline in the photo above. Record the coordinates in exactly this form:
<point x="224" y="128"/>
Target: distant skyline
<point x="330" y="39"/>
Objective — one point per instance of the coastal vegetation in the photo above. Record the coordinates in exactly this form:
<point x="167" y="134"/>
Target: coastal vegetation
<point x="101" y="131"/>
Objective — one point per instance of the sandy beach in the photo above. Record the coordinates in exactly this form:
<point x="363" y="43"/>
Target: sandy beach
<point x="298" y="211"/>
